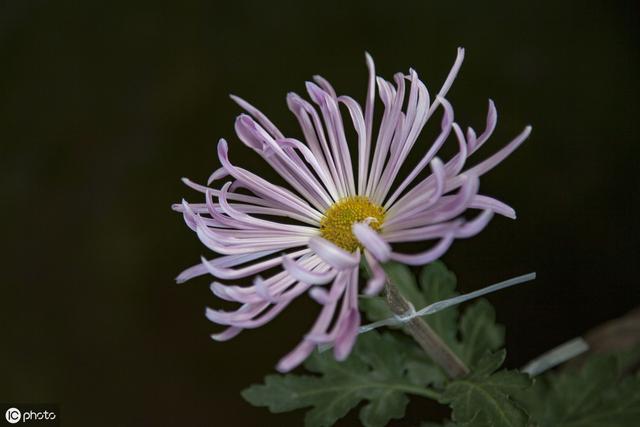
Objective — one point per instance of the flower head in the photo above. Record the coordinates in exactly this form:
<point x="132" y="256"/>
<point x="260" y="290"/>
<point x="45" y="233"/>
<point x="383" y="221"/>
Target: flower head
<point x="339" y="209"/>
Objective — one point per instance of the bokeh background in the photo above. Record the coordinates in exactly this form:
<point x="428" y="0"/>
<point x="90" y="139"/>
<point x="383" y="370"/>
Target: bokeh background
<point x="105" y="105"/>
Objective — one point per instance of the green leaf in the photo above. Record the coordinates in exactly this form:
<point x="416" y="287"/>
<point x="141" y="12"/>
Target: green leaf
<point x="483" y="398"/>
<point x="420" y="368"/>
<point x="374" y="308"/>
<point x="479" y="331"/>
<point x="437" y="284"/>
<point x="374" y="372"/>
<point x="402" y="276"/>
<point x="382" y="369"/>
<point x="589" y="397"/>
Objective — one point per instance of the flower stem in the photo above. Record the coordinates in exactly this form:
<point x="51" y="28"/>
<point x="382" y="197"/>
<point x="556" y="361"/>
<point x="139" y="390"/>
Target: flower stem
<point x="425" y="336"/>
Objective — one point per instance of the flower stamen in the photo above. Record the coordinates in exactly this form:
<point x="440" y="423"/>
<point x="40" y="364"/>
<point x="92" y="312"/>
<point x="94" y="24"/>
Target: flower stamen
<point x="336" y="224"/>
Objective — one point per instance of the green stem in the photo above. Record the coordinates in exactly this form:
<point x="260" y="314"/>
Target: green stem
<point x="425" y="336"/>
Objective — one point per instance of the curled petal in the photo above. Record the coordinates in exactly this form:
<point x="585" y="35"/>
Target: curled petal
<point x="410" y="233"/>
<point x="347" y="335"/>
<point x="371" y="95"/>
<point x="427" y="256"/>
<point x="188" y="215"/>
<point x="263" y="290"/>
<point x="295" y="357"/>
<point x="227" y="293"/>
<point x="232" y="274"/>
<point x="471" y="138"/>
<point x="472" y="228"/>
<point x="456" y="164"/>
<point x="217" y="174"/>
<point x="247" y="131"/>
<point x="265" y="318"/>
<point x="264" y="188"/>
<point x="221" y="262"/>
<point x="347" y="328"/>
<point x="207" y="237"/>
<point x="307" y="276"/>
<point x="321" y="296"/>
<point x="250" y="220"/>
<point x="484" y="202"/>
<point x="363" y="148"/>
<point x="446" y="126"/>
<point x="227" y="334"/>
<point x="332" y="254"/>
<point x="232" y="318"/>
<point x="261" y="118"/>
<point x="450" y="78"/>
<point x="459" y="203"/>
<point x="493" y="161"/>
<point x="492" y="119"/>
<point x="324" y="84"/>
<point x="240" y="219"/>
<point x="372" y="241"/>
<point x="337" y="289"/>
<point x="378" y="277"/>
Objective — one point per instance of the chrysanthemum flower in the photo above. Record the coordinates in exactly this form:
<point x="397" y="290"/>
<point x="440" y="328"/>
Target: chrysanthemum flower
<point x="346" y="203"/>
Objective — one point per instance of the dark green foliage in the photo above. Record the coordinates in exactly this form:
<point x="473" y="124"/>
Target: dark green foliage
<point x="483" y="398"/>
<point x="376" y="372"/>
<point x="479" y="333"/>
<point x="384" y="369"/>
<point x="594" y="395"/>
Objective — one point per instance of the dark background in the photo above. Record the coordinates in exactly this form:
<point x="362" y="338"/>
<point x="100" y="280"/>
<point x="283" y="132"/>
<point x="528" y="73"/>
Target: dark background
<point x="105" y="105"/>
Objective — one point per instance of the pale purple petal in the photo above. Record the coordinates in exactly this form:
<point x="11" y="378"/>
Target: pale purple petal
<point x="484" y="202"/>
<point x="363" y="149"/>
<point x="263" y="187"/>
<point x="497" y="158"/>
<point x="257" y="225"/>
<point x="378" y="277"/>
<point x="475" y="226"/>
<point x="335" y="132"/>
<point x="348" y="328"/>
<point x="221" y="262"/>
<point x="412" y="232"/>
<point x="261" y="118"/>
<point x="427" y="256"/>
<point x="332" y="254"/>
<point x="446" y="124"/>
<point x="347" y="335"/>
<point x="450" y="78"/>
<point x="324" y="297"/>
<point x="232" y="274"/>
<point x="217" y="174"/>
<point x="492" y="120"/>
<point x="372" y="241"/>
<point x="371" y="96"/>
<point x="313" y="130"/>
<point x="273" y="151"/>
<point x="296" y="357"/>
<point x="325" y="85"/>
<point x="227" y="334"/>
<point x="307" y="276"/>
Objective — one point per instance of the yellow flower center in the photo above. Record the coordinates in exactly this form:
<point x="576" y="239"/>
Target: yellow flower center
<point x="338" y="219"/>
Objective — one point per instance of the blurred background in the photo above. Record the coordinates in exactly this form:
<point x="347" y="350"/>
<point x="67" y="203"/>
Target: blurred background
<point x="105" y="105"/>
